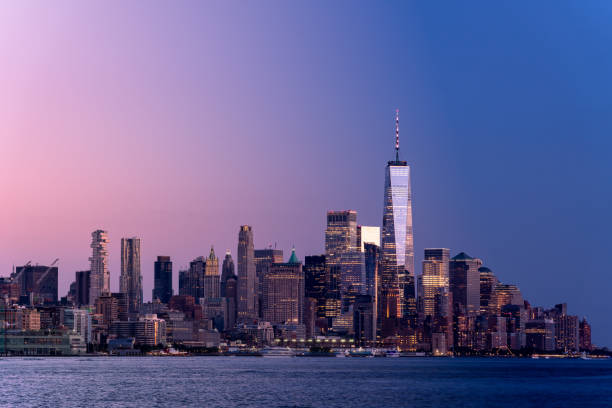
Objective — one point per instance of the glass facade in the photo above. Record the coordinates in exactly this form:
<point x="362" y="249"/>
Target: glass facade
<point x="397" y="236"/>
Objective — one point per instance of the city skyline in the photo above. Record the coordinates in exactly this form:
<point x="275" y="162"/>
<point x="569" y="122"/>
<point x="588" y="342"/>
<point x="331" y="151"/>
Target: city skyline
<point x="481" y="183"/>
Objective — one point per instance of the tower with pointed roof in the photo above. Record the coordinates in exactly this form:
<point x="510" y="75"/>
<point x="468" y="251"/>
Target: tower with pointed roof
<point x="397" y="272"/>
<point x="283" y="292"/>
<point x="211" y="284"/>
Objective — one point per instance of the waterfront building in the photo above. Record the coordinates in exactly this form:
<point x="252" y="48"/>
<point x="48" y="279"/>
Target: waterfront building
<point x="310" y="316"/>
<point x="315" y="281"/>
<point x="263" y="258"/>
<point x="464" y="280"/>
<point x="99" y="278"/>
<point x="364" y="320"/>
<point x="42" y="343"/>
<point x="247" y="276"/>
<point x="211" y="280"/>
<point x="37" y="284"/>
<point x="567" y="327"/>
<point x="131" y="278"/>
<point x="283" y="292"/>
<point x="540" y="334"/>
<point x="397" y="272"/>
<point x="82" y="288"/>
<point x="227" y="270"/>
<point x="78" y="321"/>
<point x="162" y="279"/>
<point x="585" y="335"/>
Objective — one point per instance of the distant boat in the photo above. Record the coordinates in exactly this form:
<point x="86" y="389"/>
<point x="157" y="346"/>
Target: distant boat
<point x="277" y="352"/>
<point x="392" y="353"/>
<point x="583" y="356"/>
<point x="360" y="352"/>
<point x="341" y="354"/>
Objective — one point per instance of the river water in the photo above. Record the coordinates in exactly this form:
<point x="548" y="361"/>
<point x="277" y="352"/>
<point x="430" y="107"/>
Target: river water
<point x="304" y="382"/>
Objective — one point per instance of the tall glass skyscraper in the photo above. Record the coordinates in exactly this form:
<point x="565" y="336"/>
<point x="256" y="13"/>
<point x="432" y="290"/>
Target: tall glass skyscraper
<point x="130" y="281"/>
<point x="397" y="277"/>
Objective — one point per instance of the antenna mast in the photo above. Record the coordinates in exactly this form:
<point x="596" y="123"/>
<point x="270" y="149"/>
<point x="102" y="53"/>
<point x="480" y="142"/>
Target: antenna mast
<point x="397" y="135"/>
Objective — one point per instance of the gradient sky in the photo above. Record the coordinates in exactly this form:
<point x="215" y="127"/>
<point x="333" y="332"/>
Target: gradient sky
<point x="177" y="122"/>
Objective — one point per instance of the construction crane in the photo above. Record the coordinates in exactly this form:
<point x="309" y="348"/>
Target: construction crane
<point x="16" y="276"/>
<point x="44" y="275"/>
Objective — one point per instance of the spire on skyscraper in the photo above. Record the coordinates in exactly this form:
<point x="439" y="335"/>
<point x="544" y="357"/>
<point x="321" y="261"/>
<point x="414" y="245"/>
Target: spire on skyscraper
<point x="397" y="135"/>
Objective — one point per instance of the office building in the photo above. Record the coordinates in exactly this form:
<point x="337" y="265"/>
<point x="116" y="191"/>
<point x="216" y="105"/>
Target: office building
<point x="82" y="288"/>
<point x="191" y="281"/>
<point x="367" y="235"/>
<point x="488" y="280"/>
<point x="263" y="258"/>
<point x="227" y="270"/>
<point x="162" y="279"/>
<point x="212" y="280"/>
<point x="464" y="281"/>
<point x="315" y="281"/>
<point x="283" y="292"/>
<point x="435" y="277"/>
<point x="397" y="273"/>
<point x="247" y="276"/>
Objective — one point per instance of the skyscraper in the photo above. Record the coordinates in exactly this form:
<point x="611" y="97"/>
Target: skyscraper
<point x="227" y="270"/>
<point x="211" y="286"/>
<point x="283" y="292"/>
<point x="162" y="275"/>
<point x="435" y="276"/>
<point x="263" y="259"/>
<point x="131" y="279"/>
<point x="191" y="281"/>
<point x="488" y="280"/>
<point x="436" y="300"/>
<point x="246" y="274"/>
<point x="465" y="283"/>
<point x="82" y="288"/>
<point x="99" y="278"/>
<point x="366" y="234"/>
<point x="315" y="281"/>
<point x="343" y="269"/>
<point x="397" y="277"/>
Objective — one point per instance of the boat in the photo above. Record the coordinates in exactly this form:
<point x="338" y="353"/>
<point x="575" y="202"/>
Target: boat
<point x="360" y="352"/>
<point x="277" y="352"/>
<point x="583" y="356"/>
<point x="341" y="354"/>
<point x="392" y="353"/>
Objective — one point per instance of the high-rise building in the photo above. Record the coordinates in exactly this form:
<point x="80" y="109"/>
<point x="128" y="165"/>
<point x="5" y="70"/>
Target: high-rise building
<point x="263" y="259"/>
<point x="364" y="320"/>
<point x="504" y="294"/>
<point x="247" y="277"/>
<point x="211" y="283"/>
<point x="465" y="283"/>
<point x="162" y="276"/>
<point x="191" y="281"/>
<point x="82" y="288"/>
<point x="342" y="257"/>
<point x="488" y="280"/>
<point x="131" y="280"/>
<point x="367" y="234"/>
<point x="585" y="335"/>
<point x="397" y="274"/>
<point x="227" y="270"/>
<point x="372" y="268"/>
<point x="231" y="300"/>
<point x="283" y="292"/>
<point x="435" y="277"/>
<point x="99" y="278"/>
<point x="315" y="281"/>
